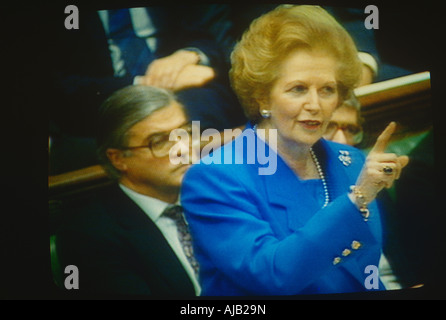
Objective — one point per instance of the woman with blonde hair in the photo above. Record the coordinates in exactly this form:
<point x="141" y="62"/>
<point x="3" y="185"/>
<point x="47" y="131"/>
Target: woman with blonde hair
<point x="313" y="225"/>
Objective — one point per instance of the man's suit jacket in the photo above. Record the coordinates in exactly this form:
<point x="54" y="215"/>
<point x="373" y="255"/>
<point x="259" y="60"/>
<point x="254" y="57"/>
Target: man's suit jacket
<point x="119" y="250"/>
<point x="82" y="72"/>
<point x="267" y="235"/>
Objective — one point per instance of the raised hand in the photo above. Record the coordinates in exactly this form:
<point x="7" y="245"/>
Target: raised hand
<point x="381" y="169"/>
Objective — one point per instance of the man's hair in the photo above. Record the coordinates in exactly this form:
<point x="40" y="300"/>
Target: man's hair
<point x="121" y="111"/>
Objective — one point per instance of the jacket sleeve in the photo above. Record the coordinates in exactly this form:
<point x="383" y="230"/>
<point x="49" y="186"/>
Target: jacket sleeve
<point x="231" y="235"/>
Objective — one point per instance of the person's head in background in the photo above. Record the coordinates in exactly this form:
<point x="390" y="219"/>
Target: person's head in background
<point x="346" y="123"/>
<point x="133" y="140"/>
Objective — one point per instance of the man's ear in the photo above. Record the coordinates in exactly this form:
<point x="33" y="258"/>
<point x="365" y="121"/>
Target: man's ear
<point x="117" y="159"/>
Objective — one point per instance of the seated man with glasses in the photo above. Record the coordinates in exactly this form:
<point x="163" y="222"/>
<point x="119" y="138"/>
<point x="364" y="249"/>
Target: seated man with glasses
<point x="124" y="239"/>
<point x="346" y="123"/>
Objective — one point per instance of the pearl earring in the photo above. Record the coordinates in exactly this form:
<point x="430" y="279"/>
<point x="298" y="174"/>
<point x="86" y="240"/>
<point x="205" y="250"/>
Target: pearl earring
<point x="265" y="113"/>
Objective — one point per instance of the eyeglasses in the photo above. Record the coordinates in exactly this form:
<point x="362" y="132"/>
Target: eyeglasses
<point x="352" y="132"/>
<point x="160" y="143"/>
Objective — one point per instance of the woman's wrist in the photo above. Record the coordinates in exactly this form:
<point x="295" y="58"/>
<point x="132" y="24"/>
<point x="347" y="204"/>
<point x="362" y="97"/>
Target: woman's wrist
<point x="360" y="200"/>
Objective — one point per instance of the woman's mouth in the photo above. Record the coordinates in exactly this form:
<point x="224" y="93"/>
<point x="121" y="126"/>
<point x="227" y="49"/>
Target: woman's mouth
<point x="310" y="124"/>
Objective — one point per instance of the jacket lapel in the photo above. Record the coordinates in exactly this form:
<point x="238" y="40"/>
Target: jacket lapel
<point x="150" y="246"/>
<point x="285" y="191"/>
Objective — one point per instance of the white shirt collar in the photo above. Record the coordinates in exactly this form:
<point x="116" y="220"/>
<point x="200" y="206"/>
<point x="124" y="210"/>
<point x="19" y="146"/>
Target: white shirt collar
<point x="152" y="207"/>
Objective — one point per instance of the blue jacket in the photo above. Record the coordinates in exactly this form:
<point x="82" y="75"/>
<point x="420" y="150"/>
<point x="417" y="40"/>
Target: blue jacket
<point x="267" y="235"/>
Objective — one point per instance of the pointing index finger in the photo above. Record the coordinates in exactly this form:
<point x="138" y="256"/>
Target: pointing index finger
<point x="384" y="138"/>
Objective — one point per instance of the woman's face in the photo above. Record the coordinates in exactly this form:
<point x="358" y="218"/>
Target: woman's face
<point x="303" y="98"/>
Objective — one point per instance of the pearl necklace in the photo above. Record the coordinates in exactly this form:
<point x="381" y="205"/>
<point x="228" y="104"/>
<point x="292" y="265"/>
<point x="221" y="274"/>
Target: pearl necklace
<point x="321" y="175"/>
<point x="319" y="170"/>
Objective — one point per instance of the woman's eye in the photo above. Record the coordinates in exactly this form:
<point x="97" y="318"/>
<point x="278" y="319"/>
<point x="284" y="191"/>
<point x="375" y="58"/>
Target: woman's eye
<point x="299" y="89"/>
<point x="328" y="90"/>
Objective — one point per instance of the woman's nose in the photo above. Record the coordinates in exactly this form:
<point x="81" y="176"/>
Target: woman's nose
<point x="312" y="103"/>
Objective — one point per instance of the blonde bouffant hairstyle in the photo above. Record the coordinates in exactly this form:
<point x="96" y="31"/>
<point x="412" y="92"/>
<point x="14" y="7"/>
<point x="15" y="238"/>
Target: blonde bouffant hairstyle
<point x="273" y="36"/>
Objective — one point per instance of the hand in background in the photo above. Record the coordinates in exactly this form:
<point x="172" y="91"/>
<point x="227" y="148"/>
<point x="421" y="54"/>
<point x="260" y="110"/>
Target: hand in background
<point x="178" y="71"/>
